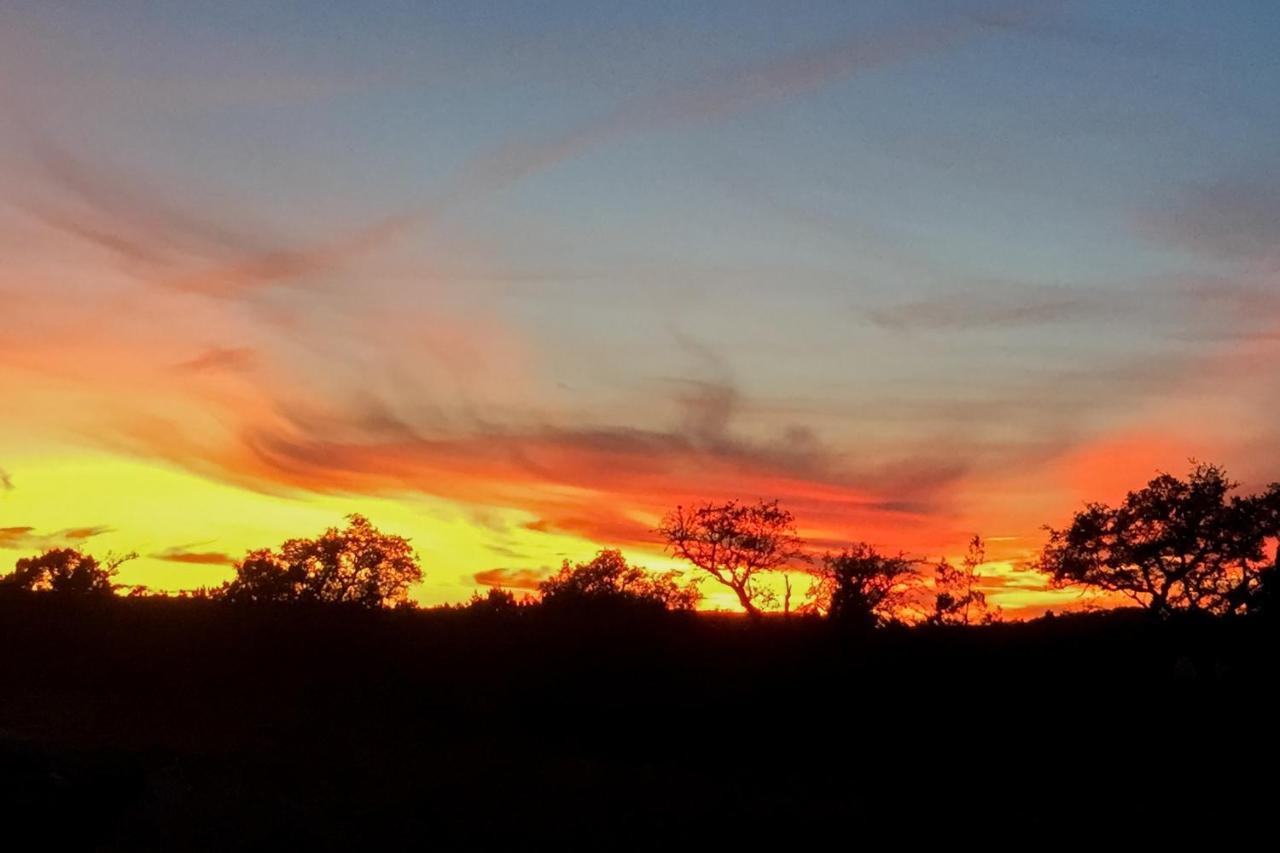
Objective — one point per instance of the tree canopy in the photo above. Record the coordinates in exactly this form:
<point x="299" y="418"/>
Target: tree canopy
<point x="609" y="579"/>
<point x="358" y="565"/>
<point x="863" y="588"/>
<point x="65" y="571"/>
<point x="1174" y="545"/>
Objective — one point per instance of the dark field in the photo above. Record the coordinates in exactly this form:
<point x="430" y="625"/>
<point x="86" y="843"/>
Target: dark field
<point x="185" y="724"/>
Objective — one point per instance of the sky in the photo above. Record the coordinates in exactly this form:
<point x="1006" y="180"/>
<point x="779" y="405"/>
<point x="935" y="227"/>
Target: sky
<point x="515" y="279"/>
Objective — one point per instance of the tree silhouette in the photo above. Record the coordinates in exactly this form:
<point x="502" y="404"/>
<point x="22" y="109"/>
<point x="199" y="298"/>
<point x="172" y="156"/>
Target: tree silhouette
<point x="66" y="571"/>
<point x="734" y="543"/>
<point x="1266" y="600"/>
<point x="861" y="587"/>
<point x="957" y="599"/>
<point x="610" y="580"/>
<point x="359" y="565"/>
<point x="1173" y="545"/>
<point x="495" y="601"/>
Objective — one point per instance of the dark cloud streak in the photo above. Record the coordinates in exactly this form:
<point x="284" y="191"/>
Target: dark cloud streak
<point x="184" y="554"/>
<point x="1236" y="219"/>
<point x="973" y="308"/>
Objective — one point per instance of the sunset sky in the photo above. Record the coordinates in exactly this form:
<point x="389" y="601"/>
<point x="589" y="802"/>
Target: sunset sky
<point x="513" y="279"/>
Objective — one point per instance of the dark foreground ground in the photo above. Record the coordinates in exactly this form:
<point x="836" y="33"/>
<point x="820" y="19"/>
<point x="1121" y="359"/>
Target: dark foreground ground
<point x="185" y="725"/>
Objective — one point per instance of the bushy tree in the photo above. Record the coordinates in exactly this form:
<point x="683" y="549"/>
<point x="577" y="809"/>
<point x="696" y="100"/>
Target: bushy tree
<point x="1174" y="545"/>
<point x="861" y="587"/>
<point x="609" y="579"/>
<point x="735" y="543"/>
<point x="358" y="565"/>
<point x="66" y="571"/>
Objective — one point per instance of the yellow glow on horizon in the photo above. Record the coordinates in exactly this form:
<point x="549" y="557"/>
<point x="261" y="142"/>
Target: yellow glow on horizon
<point x="150" y="508"/>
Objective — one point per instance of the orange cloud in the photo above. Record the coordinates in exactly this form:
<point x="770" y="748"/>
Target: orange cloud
<point x="26" y="538"/>
<point x="512" y="578"/>
<point x="608" y="486"/>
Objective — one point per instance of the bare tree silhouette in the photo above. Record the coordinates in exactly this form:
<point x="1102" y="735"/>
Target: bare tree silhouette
<point x="735" y="543"/>
<point x="957" y="599"/>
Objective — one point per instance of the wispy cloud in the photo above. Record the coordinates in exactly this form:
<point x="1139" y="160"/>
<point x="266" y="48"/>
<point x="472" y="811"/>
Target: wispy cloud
<point x="168" y="245"/>
<point x="234" y="359"/>
<point x="735" y="90"/>
<point x="1180" y="307"/>
<point x="995" y="306"/>
<point x="185" y="554"/>
<point x="28" y="539"/>
<point x="1231" y="219"/>
<point x="165" y="244"/>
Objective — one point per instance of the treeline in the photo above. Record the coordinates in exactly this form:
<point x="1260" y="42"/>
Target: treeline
<point x="1174" y="545"/>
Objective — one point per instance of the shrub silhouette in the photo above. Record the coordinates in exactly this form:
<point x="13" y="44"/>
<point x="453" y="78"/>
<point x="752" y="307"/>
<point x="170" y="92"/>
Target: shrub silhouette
<point x="496" y="601"/>
<point x="735" y="543"/>
<point x="359" y="566"/>
<point x="609" y="580"/>
<point x="957" y="599"/>
<point x="862" y="588"/>
<point x="1173" y="545"/>
<point x="65" y="571"/>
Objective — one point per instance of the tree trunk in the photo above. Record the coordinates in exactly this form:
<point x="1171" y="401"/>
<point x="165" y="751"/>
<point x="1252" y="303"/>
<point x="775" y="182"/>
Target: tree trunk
<point x="744" y="598"/>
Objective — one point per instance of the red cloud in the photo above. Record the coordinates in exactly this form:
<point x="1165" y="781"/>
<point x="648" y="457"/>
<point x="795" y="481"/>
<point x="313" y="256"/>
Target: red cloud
<point x="512" y="578"/>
